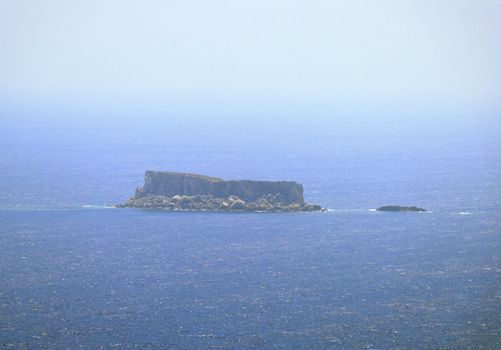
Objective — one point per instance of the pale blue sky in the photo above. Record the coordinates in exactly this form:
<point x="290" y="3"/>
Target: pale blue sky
<point x="232" y="57"/>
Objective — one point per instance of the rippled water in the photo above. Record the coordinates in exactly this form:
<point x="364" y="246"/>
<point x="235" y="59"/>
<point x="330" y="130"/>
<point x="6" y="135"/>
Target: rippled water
<point x="74" y="274"/>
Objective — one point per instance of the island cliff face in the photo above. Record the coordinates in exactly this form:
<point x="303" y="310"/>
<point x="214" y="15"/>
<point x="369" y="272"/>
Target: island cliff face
<point x="180" y="191"/>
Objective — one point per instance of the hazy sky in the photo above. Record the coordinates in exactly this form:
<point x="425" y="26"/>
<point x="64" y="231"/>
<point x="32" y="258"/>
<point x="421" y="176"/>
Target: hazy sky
<point x="254" y="55"/>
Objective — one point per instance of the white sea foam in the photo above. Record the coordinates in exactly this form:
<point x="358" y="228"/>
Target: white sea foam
<point x="92" y="206"/>
<point x="341" y="210"/>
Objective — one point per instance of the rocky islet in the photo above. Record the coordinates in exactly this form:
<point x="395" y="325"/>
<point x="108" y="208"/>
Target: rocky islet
<point x="193" y="192"/>
<point x="398" y="208"/>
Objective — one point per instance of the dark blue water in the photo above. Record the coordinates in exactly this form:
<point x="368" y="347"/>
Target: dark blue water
<point x="74" y="274"/>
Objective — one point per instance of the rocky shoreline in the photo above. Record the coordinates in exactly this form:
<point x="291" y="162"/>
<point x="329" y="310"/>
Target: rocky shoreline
<point x="267" y="203"/>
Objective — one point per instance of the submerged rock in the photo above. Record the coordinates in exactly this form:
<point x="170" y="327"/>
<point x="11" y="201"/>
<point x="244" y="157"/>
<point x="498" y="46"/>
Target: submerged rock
<point x="178" y="191"/>
<point x="400" y="208"/>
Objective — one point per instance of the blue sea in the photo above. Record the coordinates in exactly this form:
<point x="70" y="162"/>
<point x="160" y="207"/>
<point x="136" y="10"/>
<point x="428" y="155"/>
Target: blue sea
<point x="76" y="273"/>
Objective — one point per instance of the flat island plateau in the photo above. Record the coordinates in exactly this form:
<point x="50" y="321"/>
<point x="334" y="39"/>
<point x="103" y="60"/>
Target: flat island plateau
<point x="191" y="192"/>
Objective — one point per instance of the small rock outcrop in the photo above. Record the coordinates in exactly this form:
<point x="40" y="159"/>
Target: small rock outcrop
<point x="192" y="192"/>
<point x="400" y="208"/>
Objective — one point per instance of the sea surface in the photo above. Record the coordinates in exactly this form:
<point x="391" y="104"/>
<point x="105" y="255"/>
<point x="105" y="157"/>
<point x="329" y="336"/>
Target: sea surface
<point x="76" y="273"/>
